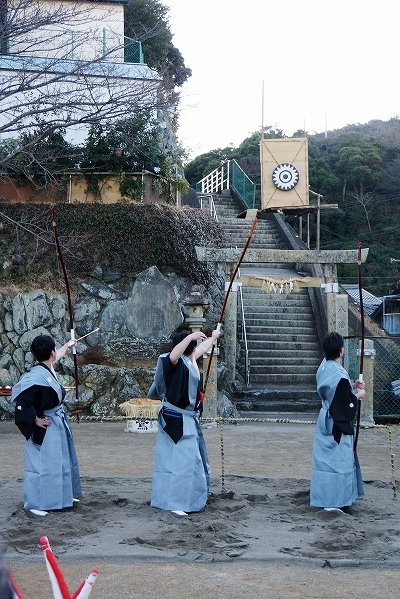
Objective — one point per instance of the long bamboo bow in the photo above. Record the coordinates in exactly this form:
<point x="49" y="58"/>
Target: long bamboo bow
<point x="361" y="368"/>
<point x="71" y="318"/>
<point x="218" y="328"/>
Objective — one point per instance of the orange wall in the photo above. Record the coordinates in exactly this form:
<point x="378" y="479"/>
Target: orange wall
<point x="13" y="193"/>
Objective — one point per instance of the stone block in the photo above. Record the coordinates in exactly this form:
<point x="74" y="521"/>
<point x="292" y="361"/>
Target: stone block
<point x="152" y="311"/>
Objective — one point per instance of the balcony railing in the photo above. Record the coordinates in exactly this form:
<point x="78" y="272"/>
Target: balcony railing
<point x="63" y="42"/>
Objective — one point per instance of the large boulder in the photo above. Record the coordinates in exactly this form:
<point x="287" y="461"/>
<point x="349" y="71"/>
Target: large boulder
<point x="111" y="325"/>
<point x="125" y="386"/>
<point x="30" y="311"/>
<point x="105" y="407"/>
<point x="86" y="312"/>
<point x="152" y="311"/>
<point x="86" y="399"/>
<point x="57" y="306"/>
<point x="98" y="377"/>
<point x="101" y="292"/>
<point x="26" y="339"/>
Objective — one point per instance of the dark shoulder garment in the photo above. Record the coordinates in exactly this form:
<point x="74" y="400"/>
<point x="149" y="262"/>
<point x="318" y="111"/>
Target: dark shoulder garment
<point x="343" y="410"/>
<point x="31" y="403"/>
<point x="176" y="383"/>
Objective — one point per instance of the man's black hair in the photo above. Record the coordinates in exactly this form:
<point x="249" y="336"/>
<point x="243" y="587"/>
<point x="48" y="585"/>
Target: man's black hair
<point x="42" y="346"/>
<point x="180" y="337"/>
<point x="332" y="343"/>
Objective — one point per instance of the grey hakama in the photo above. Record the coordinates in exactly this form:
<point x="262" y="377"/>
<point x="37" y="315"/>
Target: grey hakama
<point x="181" y="477"/>
<point x="335" y="477"/>
<point x="51" y="473"/>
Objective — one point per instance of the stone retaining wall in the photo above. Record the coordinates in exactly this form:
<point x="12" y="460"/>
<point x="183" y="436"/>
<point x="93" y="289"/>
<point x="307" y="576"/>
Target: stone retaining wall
<point x="135" y="319"/>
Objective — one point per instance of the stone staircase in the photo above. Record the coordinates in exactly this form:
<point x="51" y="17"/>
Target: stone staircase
<point x="283" y="346"/>
<point x="284" y="352"/>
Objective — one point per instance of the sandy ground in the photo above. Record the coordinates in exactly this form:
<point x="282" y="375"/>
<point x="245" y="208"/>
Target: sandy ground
<point x="257" y="537"/>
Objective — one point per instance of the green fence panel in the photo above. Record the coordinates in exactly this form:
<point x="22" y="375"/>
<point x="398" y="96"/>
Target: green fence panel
<point x="386" y="370"/>
<point x="133" y="51"/>
<point x="243" y="186"/>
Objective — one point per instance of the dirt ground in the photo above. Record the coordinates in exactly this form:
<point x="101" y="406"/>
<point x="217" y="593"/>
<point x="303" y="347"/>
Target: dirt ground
<point x="257" y="537"/>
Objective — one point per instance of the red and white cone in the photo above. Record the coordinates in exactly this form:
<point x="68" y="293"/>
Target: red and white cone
<point x="60" y="588"/>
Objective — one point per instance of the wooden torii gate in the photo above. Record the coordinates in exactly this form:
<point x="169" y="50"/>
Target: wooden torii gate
<point x="336" y="304"/>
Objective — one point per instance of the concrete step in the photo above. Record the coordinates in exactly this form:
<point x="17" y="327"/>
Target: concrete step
<point x="243" y="236"/>
<point x="283" y="378"/>
<point x="284" y="361"/>
<point x="270" y="354"/>
<point x="273" y="329"/>
<point x="280" y="345"/>
<point x="243" y="232"/>
<point x="277" y="301"/>
<point x="278" y="320"/>
<point x="269" y="241"/>
<point x="280" y="310"/>
<point x="267" y="319"/>
<point x="281" y="367"/>
<point x="254" y="292"/>
<point x="241" y="227"/>
<point x="244" y="226"/>
<point x="277" y="308"/>
<point x="255" y="339"/>
<point x="275" y="332"/>
<point x="259" y="296"/>
<point x="284" y="398"/>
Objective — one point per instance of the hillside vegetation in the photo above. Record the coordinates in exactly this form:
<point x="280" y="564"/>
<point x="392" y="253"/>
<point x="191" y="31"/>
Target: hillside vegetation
<point x="124" y="238"/>
<point x="357" y="167"/>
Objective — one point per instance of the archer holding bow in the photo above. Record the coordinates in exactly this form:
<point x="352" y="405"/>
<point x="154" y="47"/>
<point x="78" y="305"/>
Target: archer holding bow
<point x="51" y="473"/>
<point x="336" y="476"/>
<point x="181" y="478"/>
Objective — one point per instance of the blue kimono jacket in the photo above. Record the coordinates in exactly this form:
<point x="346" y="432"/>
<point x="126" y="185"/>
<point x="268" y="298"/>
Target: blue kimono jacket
<point x="51" y="473"/>
<point x="335" y="476"/>
<point x="181" y="477"/>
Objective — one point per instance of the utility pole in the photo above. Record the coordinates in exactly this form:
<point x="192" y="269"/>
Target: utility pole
<point x="319" y="198"/>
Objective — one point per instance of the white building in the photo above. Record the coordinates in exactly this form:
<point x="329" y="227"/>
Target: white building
<point x="67" y="65"/>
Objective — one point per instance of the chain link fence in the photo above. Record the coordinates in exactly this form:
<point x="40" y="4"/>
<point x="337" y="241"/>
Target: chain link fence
<point x="386" y="370"/>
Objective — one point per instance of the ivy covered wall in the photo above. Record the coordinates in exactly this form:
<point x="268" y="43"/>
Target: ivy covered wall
<point x="124" y="237"/>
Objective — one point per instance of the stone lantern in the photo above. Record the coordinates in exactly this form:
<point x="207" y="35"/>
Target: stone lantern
<point x="195" y="301"/>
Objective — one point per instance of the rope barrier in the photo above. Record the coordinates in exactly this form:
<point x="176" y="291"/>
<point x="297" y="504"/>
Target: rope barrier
<point x="392" y="454"/>
<point x="231" y="420"/>
<point x="227" y="420"/>
<point x="221" y="435"/>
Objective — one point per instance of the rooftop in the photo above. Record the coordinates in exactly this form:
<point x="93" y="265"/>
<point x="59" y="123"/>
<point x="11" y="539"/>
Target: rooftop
<point x="370" y="301"/>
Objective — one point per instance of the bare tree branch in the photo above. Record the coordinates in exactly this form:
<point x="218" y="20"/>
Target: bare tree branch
<point x="58" y="73"/>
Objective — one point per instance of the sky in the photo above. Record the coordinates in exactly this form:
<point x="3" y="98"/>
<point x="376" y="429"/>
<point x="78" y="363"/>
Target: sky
<point x="321" y="63"/>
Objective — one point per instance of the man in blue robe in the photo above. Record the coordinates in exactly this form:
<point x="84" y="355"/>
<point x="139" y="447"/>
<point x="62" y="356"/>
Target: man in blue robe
<point x="181" y="478"/>
<point x="51" y="474"/>
<point x="335" y="477"/>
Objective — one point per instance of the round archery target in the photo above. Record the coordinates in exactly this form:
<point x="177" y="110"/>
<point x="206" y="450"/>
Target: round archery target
<point x="285" y="176"/>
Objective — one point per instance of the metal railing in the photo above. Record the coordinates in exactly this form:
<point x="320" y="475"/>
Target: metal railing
<point x="215" y="181"/>
<point x="132" y="48"/>
<point x="207" y="204"/>
<point x="133" y="51"/>
<point x="107" y="42"/>
<point x="386" y="370"/>
<point x="244" y="335"/>
<point x="229" y="176"/>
